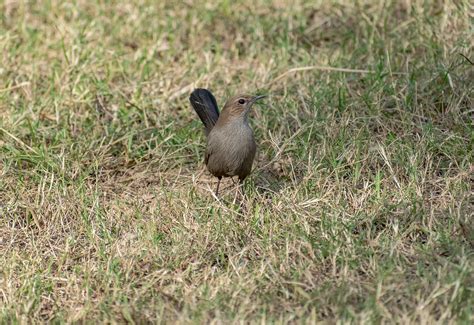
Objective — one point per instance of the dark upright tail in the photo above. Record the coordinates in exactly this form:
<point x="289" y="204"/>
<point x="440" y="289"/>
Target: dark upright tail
<point x="205" y="106"/>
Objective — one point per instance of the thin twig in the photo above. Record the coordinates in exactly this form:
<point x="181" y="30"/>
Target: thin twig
<point x="18" y="140"/>
<point x="26" y="83"/>
<point x="466" y="58"/>
<point x="324" y="68"/>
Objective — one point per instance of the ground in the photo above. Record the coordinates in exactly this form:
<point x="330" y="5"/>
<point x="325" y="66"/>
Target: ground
<point x="360" y="204"/>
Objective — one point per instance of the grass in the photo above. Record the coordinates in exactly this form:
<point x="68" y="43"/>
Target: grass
<point x="360" y="205"/>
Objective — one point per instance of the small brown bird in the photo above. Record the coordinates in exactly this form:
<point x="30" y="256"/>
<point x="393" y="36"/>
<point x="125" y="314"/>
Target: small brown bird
<point x="230" y="142"/>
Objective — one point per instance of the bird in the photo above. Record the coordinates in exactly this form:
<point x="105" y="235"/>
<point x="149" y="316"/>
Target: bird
<point x="231" y="147"/>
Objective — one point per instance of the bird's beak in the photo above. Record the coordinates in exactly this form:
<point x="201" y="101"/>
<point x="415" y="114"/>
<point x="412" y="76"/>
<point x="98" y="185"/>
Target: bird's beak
<point x="257" y="98"/>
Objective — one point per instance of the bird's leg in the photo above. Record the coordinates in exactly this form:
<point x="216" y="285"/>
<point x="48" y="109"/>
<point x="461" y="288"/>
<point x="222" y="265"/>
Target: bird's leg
<point x="218" y="183"/>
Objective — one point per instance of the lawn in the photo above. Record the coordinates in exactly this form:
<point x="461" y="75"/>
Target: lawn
<point x="360" y="204"/>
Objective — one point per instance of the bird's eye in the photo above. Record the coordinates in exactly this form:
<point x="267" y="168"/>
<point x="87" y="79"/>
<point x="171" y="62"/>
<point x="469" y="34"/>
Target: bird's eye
<point x="241" y="101"/>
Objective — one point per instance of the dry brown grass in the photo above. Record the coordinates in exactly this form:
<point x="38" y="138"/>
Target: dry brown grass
<point x="360" y="205"/>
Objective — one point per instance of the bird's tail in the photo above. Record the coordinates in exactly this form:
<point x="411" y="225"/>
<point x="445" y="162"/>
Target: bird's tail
<point x="205" y="106"/>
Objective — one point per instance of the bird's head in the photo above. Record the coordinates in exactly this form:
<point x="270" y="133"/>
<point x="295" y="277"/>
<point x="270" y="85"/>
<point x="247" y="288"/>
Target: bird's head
<point x="240" y="105"/>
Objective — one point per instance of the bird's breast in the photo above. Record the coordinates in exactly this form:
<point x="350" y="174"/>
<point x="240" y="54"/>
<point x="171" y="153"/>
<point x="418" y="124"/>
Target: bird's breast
<point x="230" y="149"/>
<point x="233" y="136"/>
